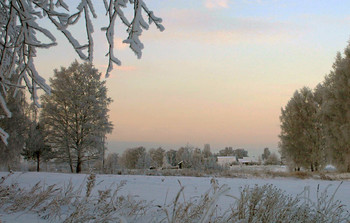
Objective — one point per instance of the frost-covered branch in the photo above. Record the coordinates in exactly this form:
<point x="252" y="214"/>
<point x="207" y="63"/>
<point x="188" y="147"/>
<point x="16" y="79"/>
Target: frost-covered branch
<point x="21" y="35"/>
<point x="114" y="9"/>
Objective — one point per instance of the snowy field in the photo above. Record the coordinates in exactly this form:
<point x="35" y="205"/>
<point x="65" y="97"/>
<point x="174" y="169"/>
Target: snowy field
<point x="259" y="168"/>
<point x="162" y="190"/>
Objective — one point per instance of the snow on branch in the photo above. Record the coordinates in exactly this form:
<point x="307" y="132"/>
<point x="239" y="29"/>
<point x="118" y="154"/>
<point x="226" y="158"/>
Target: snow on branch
<point x="21" y="35"/>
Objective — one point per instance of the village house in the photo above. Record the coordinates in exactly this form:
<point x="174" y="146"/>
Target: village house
<point x="227" y="160"/>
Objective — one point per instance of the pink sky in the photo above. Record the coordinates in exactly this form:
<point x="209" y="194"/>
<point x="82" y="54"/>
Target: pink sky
<point x="218" y="74"/>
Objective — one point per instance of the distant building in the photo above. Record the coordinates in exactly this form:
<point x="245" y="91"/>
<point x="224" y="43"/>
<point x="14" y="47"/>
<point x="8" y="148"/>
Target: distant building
<point x="248" y="160"/>
<point x="180" y="164"/>
<point x="226" y="160"/>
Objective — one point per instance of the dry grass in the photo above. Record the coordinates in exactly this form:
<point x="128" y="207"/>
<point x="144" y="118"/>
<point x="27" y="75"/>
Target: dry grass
<point x="270" y="204"/>
<point x="254" y="204"/>
<point x="68" y="204"/>
<point x="202" y="209"/>
<point x="257" y="204"/>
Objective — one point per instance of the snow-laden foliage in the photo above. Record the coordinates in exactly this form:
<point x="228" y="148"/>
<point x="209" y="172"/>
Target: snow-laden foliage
<point x="21" y="35"/>
<point x="301" y="138"/>
<point x="315" y="123"/>
<point x="336" y="111"/>
<point x="16" y="126"/>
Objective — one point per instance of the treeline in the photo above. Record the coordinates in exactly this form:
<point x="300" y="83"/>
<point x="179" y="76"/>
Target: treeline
<point x="315" y="123"/>
<point x="69" y="128"/>
<point x="184" y="157"/>
<point x="229" y="151"/>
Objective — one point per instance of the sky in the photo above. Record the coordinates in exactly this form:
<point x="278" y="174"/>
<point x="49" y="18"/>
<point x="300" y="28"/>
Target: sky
<point x="219" y="74"/>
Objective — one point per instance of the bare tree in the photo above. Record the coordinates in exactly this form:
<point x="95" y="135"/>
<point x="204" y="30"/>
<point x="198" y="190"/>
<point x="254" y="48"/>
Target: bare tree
<point x="112" y="163"/>
<point x="171" y="157"/>
<point x="185" y="155"/>
<point x="133" y="156"/>
<point x="272" y="159"/>
<point x="206" y="151"/>
<point x="157" y="156"/>
<point x="21" y="35"/>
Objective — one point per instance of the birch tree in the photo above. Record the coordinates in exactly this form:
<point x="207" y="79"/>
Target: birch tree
<point x="185" y="155"/>
<point x="336" y="111"/>
<point x="133" y="156"/>
<point x="157" y="156"/>
<point x="171" y="157"/>
<point x="301" y="139"/>
<point x="75" y="115"/>
<point x="112" y="163"/>
<point x="22" y="33"/>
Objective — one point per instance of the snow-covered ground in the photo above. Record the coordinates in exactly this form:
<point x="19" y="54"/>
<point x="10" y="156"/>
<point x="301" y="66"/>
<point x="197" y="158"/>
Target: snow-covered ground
<point x="261" y="168"/>
<point x="163" y="189"/>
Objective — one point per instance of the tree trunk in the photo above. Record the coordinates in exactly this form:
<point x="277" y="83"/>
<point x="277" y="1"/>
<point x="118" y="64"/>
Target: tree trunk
<point x="316" y="166"/>
<point x="312" y="167"/>
<point x="103" y="156"/>
<point x="70" y="159"/>
<point x="37" y="162"/>
<point x="71" y="167"/>
<point x="68" y="150"/>
<point x="78" y="169"/>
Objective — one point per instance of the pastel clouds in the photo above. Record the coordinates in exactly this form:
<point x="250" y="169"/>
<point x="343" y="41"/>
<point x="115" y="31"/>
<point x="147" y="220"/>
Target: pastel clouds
<point x="205" y="27"/>
<point x="239" y="36"/>
<point x="215" y="4"/>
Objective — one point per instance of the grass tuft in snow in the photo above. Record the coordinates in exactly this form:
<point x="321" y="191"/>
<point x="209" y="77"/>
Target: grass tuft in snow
<point x="254" y="204"/>
<point x="68" y="204"/>
<point x="202" y="209"/>
<point x="270" y="204"/>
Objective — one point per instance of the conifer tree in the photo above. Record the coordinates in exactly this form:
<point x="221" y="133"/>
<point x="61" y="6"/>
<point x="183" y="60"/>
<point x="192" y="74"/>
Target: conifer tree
<point x="36" y="146"/>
